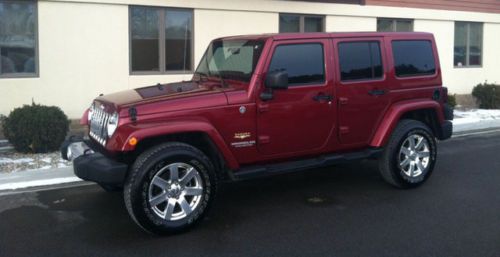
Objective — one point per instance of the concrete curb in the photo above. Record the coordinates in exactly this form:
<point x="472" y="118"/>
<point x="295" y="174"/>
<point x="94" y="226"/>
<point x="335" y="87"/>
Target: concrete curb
<point x="39" y="178"/>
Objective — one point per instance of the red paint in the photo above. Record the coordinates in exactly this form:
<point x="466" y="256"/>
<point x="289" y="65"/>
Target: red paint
<point x="85" y="120"/>
<point x="290" y="126"/>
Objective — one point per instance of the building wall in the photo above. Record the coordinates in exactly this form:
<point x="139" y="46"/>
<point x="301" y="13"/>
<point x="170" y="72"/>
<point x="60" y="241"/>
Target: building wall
<point x="82" y="53"/>
<point x="84" y="47"/>
<point x="350" y="23"/>
<point x="462" y="5"/>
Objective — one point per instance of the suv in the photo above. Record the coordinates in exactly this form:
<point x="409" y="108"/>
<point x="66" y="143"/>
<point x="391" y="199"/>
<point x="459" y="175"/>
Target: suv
<point x="267" y="104"/>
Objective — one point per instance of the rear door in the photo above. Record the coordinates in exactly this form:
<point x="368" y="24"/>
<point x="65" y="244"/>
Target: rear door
<point x="361" y="88"/>
<point x="300" y="119"/>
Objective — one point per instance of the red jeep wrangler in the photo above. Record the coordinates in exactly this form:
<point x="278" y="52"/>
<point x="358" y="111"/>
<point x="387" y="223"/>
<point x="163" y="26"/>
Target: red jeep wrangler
<point x="267" y="104"/>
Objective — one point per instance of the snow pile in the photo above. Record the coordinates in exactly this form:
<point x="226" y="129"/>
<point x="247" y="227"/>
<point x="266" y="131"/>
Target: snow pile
<point x="475" y="119"/>
<point x="4" y="160"/>
<point x="11" y="161"/>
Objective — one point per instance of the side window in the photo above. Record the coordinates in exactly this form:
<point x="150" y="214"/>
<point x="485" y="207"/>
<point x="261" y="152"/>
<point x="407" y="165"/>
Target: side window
<point x="413" y="58"/>
<point x="18" y="39"/>
<point x="304" y="63"/>
<point x="360" y="61"/>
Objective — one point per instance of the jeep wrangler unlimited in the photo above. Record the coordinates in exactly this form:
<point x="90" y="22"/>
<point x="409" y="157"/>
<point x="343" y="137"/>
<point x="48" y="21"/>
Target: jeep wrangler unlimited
<point x="267" y="104"/>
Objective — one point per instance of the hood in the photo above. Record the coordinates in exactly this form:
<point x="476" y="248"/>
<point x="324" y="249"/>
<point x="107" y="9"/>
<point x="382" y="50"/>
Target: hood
<point x="160" y="92"/>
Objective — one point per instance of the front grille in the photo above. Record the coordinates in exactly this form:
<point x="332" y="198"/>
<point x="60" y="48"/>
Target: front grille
<point x="98" y="124"/>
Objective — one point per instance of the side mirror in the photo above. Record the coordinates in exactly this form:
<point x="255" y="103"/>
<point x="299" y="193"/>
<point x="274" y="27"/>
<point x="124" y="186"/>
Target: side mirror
<point x="277" y="79"/>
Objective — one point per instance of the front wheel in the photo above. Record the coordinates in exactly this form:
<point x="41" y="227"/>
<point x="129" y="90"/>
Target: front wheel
<point x="170" y="188"/>
<point x="410" y="155"/>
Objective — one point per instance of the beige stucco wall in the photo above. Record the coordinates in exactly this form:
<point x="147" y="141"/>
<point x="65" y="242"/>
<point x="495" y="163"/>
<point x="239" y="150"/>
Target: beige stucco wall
<point x="82" y="52"/>
<point x="84" y="44"/>
<point x="350" y="23"/>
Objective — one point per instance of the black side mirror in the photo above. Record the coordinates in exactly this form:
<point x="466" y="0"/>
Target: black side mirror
<point x="277" y="79"/>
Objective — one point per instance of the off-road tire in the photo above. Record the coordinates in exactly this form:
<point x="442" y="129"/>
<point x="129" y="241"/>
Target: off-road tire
<point x="141" y="174"/>
<point x="389" y="161"/>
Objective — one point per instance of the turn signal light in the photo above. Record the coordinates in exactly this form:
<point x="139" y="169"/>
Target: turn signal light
<point x="132" y="141"/>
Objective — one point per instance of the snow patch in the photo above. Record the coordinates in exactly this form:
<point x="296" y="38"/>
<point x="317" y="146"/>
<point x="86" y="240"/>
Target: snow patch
<point x="476" y="119"/>
<point x="46" y="160"/>
<point x="4" y="160"/>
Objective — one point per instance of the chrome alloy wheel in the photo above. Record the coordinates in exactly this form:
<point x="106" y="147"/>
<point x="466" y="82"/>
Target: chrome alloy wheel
<point x="414" y="155"/>
<point x="175" y="191"/>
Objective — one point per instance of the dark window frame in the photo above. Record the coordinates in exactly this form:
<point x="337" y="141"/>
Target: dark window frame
<point x="302" y="21"/>
<point x="394" y="22"/>
<point x="299" y="85"/>
<point x="467" y="45"/>
<point x="161" y="42"/>
<point x="414" y="75"/>
<point x="353" y="81"/>
<point x="36" y="73"/>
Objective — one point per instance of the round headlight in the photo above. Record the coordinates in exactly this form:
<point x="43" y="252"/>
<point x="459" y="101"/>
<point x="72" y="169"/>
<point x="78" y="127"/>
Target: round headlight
<point x="112" y="124"/>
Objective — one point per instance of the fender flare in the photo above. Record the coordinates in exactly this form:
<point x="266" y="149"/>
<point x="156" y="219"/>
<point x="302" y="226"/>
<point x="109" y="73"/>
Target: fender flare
<point x="393" y="115"/>
<point x="176" y="127"/>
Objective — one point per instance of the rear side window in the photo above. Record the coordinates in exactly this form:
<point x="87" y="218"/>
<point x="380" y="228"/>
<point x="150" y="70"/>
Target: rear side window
<point x="360" y="61"/>
<point x="304" y="63"/>
<point x="413" y="58"/>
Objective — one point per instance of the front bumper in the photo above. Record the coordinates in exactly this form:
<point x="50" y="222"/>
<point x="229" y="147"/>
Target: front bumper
<point x="92" y="166"/>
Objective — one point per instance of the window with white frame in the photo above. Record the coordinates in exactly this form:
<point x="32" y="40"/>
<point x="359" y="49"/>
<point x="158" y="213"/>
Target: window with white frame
<point x="468" y="49"/>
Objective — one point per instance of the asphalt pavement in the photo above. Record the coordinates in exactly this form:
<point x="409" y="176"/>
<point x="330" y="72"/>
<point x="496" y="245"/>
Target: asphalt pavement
<point x="346" y="210"/>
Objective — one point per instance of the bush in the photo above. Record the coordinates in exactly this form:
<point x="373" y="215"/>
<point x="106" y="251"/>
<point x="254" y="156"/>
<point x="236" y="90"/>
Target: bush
<point x="452" y="100"/>
<point x="487" y="95"/>
<point x="36" y="128"/>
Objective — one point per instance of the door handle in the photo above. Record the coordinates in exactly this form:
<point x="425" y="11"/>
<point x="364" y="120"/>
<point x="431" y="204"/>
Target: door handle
<point x="321" y="97"/>
<point x="377" y="92"/>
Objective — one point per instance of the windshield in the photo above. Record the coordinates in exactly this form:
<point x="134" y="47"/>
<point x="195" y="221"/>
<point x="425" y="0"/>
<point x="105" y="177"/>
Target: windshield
<point x="231" y="59"/>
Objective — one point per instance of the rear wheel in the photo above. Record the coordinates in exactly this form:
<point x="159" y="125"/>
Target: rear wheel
<point x="170" y="188"/>
<point x="410" y="155"/>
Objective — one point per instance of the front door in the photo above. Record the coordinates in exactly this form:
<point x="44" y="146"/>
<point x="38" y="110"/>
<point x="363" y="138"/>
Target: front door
<point x="299" y="119"/>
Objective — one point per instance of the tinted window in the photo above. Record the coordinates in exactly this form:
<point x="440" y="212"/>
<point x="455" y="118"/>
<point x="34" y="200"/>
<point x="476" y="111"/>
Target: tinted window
<point x="360" y="60"/>
<point x="413" y="58"/>
<point x="303" y="62"/>
<point x="394" y="25"/>
<point x="145" y="45"/>
<point x="301" y="23"/>
<point x="155" y="52"/>
<point x="17" y="38"/>
<point x="313" y="24"/>
<point x="178" y="39"/>
<point x="289" y="23"/>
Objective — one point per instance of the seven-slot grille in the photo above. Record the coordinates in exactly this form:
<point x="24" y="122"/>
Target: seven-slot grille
<point x="98" y="124"/>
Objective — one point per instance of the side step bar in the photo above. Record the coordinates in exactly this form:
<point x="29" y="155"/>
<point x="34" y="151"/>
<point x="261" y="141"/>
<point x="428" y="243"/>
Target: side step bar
<point x="292" y="166"/>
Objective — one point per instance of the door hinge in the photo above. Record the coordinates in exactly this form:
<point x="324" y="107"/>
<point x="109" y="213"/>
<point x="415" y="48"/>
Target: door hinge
<point x="343" y="100"/>
<point x="344" y="130"/>
<point x="263" y="107"/>
<point x="264" y="139"/>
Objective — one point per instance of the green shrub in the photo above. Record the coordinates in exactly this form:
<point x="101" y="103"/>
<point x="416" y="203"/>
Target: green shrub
<point x="487" y="95"/>
<point x="452" y="100"/>
<point x="36" y="128"/>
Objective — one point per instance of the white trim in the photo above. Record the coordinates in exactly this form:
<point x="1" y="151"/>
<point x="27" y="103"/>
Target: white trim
<point x="282" y="6"/>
